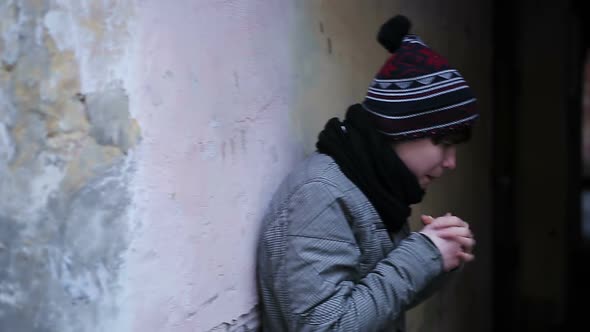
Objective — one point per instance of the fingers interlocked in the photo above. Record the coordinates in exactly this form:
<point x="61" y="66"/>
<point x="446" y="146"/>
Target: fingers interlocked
<point x="453" y="228"/>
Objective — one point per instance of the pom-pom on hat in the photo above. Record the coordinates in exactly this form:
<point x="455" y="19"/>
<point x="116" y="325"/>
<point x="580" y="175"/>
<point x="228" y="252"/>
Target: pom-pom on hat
<point x="417" y="93"/>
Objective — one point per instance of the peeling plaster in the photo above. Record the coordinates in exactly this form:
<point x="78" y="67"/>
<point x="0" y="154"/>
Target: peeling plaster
<point x="6" y="146"/>
<point x="108" y="113"/>
<point x="65" y="165"/>
<point x="59" y="24"/>
<point x="10" y="22"/>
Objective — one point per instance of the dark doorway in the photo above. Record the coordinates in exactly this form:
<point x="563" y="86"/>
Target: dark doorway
<point x="540" y="262"/>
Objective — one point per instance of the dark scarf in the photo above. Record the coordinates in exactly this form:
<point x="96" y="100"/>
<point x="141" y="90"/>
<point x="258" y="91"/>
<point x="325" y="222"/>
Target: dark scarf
<point x="370" y="162"/>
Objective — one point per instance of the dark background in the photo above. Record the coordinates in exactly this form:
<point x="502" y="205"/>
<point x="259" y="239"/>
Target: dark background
<point x="541" y="260"/>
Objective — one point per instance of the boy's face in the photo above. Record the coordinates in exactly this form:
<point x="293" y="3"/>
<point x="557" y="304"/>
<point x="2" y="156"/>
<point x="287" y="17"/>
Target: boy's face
<point x="425" y="159"/>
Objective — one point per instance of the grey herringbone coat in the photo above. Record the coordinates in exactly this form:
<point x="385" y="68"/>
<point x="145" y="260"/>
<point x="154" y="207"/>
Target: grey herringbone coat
<point x="327" y="263"/>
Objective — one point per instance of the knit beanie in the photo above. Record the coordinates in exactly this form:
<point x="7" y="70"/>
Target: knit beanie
<point x="417" y="93"/>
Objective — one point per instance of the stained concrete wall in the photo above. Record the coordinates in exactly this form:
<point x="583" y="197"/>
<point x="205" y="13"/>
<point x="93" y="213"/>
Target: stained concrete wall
<point x="141" y="142"/>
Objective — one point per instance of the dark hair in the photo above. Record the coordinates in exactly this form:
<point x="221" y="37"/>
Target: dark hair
<point x="455" y="137"/>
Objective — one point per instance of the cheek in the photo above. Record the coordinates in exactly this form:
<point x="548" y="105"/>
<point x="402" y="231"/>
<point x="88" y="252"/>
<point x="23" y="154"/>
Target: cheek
<point x="422" y="160"/>
<point x="421" y="168"/>
<point x="431" y="162"/>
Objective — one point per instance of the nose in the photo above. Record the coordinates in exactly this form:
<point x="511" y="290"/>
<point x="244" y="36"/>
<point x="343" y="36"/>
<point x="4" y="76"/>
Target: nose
<point x="450" y="161"/>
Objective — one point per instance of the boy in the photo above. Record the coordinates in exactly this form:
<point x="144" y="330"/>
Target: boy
<point x="336" y="253"/>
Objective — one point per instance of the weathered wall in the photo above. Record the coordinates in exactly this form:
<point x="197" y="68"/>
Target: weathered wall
<point x="66" y="135"/>
<point x="102" y="230"/>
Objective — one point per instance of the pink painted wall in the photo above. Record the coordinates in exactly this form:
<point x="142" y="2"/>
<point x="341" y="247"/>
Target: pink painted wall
<point x="212" y="97"/>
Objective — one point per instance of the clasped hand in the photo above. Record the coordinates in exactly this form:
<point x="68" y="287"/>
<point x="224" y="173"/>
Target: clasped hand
<point x="452" y="237"/>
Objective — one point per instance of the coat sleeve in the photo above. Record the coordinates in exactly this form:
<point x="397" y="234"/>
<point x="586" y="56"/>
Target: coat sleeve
<point x="435" y="285"/>
<point x="322" y="288"/>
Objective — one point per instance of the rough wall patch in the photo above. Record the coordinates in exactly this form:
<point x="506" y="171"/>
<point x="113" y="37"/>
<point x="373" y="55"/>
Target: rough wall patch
<point x="108" y="112"/>
<point x="64" y="167"/>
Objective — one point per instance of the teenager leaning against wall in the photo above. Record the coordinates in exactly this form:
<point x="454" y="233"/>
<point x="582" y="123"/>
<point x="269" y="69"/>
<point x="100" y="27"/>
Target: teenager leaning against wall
<point x="336" y="252"/>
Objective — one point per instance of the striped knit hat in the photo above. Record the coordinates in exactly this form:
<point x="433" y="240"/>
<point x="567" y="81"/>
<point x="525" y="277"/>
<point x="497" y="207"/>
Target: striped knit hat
<point x="416" y="93"/>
